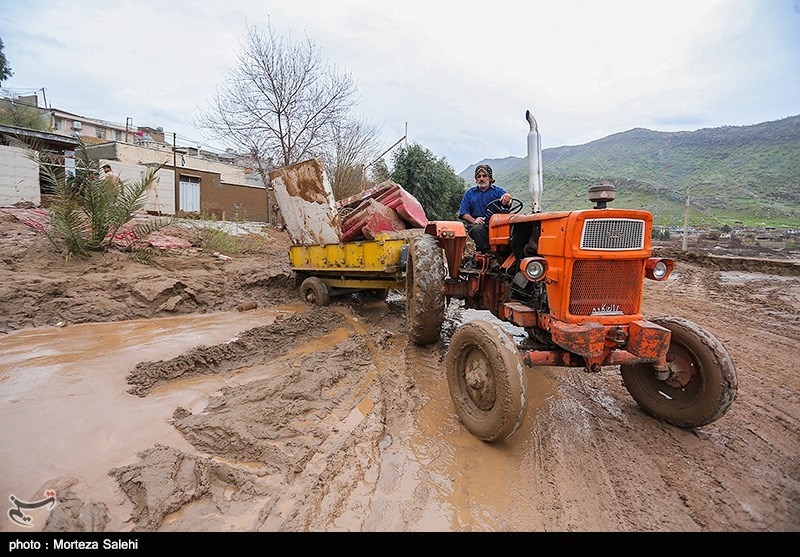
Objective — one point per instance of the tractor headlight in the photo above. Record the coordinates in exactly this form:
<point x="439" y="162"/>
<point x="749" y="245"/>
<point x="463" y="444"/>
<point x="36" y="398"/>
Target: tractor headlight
<point x="533" y="268"/>
<point x="658" y="269"/>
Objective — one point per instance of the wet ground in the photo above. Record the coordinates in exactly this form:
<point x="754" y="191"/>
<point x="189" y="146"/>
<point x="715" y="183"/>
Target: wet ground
<point x="326" y="419"/>
<point x="291" y="417"/>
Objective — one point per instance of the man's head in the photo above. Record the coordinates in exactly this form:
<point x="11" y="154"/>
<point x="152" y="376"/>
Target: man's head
<point x="483" y="176"/>
<point x="106" y="167"/>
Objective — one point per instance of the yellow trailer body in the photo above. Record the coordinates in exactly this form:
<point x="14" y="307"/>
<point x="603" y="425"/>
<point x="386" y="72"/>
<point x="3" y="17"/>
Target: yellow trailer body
<point x="381" y="255"/>
<point x="366" y="264"/>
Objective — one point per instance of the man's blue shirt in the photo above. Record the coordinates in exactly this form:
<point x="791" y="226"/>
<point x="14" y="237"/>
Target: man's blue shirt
<point x="475" y="201"/>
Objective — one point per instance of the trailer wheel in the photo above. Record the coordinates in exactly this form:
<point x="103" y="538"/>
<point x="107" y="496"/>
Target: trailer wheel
<point x="378" y="293"/>
<point x="315" y="291"/>
<point x="486" y="380"/>
<point x="702" y="383"/>
<point x="424" y="290"/>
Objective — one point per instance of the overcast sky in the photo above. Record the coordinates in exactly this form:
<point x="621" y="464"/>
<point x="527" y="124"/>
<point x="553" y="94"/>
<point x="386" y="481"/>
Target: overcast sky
<point x="457" y="74"/>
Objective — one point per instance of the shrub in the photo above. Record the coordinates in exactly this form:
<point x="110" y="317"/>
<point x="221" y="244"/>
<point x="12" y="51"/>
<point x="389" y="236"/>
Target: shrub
<point x="86" y="213"/>
<point x="211" y="235"/>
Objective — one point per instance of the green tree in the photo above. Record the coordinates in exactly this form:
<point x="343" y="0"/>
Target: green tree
<point x="5" y="68"/>
<point x="16" y="113"/>
<point x="429" y="179"/>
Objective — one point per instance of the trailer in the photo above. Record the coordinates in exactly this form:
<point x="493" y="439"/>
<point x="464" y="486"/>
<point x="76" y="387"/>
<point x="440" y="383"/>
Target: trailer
<point x="357" y="244"/>
<point x="375" y="266"/>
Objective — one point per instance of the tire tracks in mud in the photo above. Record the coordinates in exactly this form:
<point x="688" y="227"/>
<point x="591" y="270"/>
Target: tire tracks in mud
<point x="263" y="429"/>
<point x="278" y="441"/>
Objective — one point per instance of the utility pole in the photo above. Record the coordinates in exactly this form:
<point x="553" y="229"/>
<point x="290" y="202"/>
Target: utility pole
<point x="686" y="220"/>
<point x="176" y="180"/>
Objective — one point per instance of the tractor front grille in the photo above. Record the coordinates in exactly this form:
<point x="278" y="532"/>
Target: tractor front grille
<point x="612" y="234"/>
<point x="606" y="287"/>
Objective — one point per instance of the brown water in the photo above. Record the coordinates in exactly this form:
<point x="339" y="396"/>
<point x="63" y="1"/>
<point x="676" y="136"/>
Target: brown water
<point x="86" y="365"/>
<point x="433" y="470"/>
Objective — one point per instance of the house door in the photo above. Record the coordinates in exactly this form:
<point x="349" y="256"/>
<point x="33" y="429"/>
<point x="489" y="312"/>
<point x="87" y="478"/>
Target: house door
<point x="189" y="196"/>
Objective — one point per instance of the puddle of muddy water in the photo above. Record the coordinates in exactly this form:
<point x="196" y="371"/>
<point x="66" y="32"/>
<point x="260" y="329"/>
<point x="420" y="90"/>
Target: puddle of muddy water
<point x="60" y="388"/>
<point x="743" y="276"/>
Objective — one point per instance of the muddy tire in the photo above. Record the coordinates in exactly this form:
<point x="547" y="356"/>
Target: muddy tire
<point x="378" y="293"/>
<point x="315" y="291"/>
<point x="486" y="380"/>
<point x="425" y="273"/>
<point x="702" y="386"/>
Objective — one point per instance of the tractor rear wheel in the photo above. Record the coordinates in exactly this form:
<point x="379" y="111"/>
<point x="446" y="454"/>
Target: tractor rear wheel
<point x="702" y="384"/>
<point x="315" y="291"/>
<point x="486" y="379"/>
<point x="425" y="273"/>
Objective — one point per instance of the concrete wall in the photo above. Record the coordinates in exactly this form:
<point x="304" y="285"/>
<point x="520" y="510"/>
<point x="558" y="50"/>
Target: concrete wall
<point x="19" y="177"/>
<point x="160" y="195"/>
<point x="229" y="174"/>
<point x="228" y="191"/>
<point x="235" y="202"/>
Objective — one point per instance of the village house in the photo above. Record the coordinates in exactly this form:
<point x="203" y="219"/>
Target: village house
<point x="190" y="182"/>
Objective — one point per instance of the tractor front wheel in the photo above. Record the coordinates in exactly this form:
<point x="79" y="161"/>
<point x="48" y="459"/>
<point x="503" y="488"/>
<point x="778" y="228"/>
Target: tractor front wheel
<point x="701" y="384"/>
<point x="486" y="380"/>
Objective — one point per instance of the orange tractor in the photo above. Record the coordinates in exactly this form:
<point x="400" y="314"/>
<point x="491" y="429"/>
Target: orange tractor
<point x="574" y="281"/>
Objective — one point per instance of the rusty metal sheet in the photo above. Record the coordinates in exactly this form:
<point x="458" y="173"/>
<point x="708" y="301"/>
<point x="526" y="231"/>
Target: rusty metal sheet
<point x="587" y="340"/>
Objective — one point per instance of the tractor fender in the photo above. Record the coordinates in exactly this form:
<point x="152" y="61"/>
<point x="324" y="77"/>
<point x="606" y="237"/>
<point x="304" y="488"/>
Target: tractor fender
<point x="452" y="236"/>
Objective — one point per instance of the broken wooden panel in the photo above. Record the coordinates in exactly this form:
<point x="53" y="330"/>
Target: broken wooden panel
<point x="349" y="203"/>
<point x="306" y="201"/>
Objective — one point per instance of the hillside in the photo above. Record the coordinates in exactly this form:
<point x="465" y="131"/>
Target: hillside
<point x="747" y="174"/>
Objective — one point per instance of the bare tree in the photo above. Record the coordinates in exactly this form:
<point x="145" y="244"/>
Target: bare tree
<point x="280" y="101"/>
<point x="281" y="105"/>
<point x="353" y="142"/>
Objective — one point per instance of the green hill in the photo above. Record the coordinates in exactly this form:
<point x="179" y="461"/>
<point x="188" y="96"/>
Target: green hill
<point x="733" y="174"/>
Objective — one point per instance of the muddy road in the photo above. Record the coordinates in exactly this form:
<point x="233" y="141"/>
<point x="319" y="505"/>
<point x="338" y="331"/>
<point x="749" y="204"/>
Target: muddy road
<point x="327" y="419"/>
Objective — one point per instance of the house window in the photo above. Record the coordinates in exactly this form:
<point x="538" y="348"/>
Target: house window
<point x="101" y="133"/>
<point x="58" y="124"/>
<point x="117" y="135"/>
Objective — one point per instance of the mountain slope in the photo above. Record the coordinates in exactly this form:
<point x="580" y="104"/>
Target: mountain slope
<point x="748" y="174"/>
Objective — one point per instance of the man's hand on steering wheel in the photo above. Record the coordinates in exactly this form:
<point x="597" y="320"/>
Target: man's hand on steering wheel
<point x="514" y="206"/>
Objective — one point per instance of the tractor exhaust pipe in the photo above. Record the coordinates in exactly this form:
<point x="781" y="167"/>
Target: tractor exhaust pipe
<point x="534" y="164"/>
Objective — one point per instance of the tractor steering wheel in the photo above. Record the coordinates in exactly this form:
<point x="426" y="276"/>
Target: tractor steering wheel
<point x="496" y="207"/>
